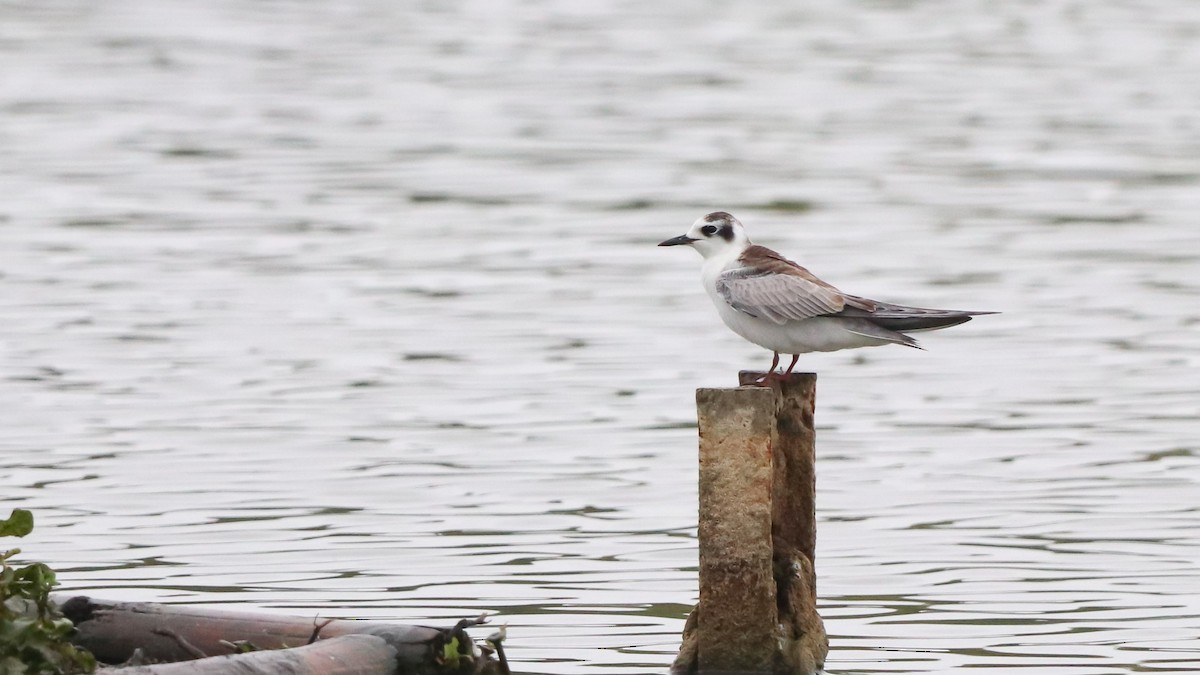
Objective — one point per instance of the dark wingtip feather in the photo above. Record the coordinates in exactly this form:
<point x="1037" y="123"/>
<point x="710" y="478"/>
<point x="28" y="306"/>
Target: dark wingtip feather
<point x="914" y="323"/>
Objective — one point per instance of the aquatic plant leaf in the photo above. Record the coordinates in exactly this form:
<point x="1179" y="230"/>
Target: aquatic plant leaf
<point x="19" y="524"/>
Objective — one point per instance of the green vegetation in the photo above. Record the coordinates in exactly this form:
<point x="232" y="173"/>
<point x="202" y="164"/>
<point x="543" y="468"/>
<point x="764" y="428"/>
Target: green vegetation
<point x="34" y="636"/>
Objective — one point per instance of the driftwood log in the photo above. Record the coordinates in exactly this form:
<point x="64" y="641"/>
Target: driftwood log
<point x="188" y="640"/>
<point x="345" y="655"/>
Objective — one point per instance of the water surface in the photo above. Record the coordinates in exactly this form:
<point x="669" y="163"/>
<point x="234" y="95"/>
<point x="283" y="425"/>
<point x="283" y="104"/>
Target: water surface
<point x="354" y="309"/>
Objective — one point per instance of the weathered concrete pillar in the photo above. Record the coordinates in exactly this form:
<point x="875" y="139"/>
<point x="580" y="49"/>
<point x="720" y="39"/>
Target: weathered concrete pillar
<point x="737" y="435"/>
<point x="757" y="610"/>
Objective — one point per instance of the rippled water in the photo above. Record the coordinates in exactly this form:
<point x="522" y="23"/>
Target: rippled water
<point x="354" y="308"/>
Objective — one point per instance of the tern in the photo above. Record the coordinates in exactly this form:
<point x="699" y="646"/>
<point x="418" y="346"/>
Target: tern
<point x="777" y="304"/>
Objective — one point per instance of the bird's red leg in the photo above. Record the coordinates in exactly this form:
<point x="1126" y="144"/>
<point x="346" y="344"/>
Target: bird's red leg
<point x="770" y="371"/>
<point x="795" y="358"/>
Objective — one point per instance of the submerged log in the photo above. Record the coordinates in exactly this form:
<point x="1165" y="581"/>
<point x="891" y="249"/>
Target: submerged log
<point x="116" y="632"/>
<point x="757" y="611"/>
<point x="345" y="655"/>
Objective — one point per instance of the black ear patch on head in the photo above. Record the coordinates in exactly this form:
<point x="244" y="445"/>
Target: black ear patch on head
<point x="722" y="220"/>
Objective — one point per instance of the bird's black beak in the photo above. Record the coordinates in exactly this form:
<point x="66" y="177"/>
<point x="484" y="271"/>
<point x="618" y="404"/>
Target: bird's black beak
<point x="678" y="241"/>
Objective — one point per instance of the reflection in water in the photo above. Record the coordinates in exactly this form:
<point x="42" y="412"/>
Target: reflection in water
<point x="355" y="309"/>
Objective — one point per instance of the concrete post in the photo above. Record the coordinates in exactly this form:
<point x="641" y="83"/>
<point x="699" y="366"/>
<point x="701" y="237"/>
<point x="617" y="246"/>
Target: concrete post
<point x="757" y="610"/>
<point x="737" y="435"/>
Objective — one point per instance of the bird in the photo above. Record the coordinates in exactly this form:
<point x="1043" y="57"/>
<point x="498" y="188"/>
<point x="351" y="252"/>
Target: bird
<point x="776" y="304"/>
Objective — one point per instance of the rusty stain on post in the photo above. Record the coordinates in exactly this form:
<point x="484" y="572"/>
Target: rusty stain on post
<point x="757" y="610"/>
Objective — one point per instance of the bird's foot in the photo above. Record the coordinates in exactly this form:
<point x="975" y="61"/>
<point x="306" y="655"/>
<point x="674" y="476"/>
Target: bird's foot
<point x="766" y="379"/>
<point x="773" y="375"/>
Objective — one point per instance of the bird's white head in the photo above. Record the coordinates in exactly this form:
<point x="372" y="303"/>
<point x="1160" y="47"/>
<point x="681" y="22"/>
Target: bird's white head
<point x="716" y="234"/>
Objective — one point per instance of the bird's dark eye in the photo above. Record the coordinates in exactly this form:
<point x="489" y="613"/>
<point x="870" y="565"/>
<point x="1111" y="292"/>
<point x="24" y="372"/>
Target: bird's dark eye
<point x="708" y="230"/>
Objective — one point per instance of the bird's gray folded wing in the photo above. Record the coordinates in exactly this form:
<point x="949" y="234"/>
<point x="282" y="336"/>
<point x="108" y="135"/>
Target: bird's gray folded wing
<point x="778" y="297"/>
